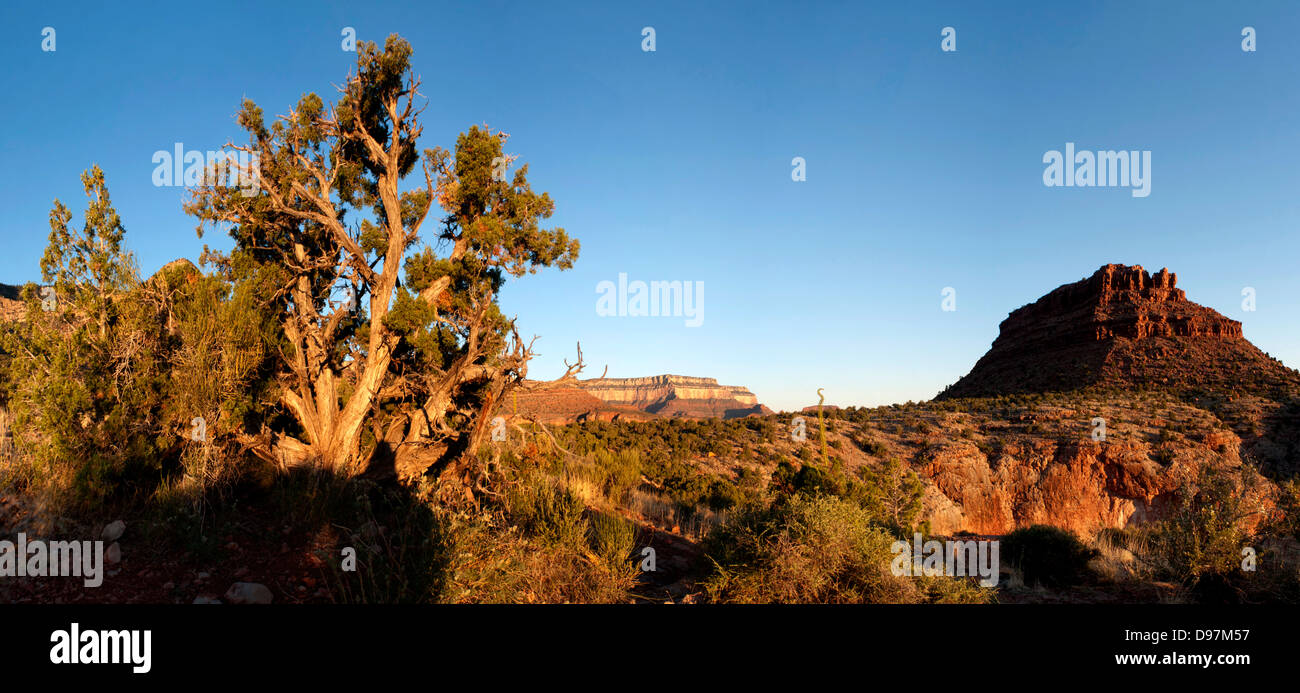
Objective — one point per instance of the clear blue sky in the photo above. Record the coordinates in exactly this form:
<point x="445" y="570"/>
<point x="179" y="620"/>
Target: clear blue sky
<point x="924" y="168"/>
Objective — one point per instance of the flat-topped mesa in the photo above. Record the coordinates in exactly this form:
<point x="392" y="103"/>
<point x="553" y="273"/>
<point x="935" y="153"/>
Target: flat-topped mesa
<point x="660" y="387"/>
<point x="675" y="395"/>
<point x="1120" y="327"/>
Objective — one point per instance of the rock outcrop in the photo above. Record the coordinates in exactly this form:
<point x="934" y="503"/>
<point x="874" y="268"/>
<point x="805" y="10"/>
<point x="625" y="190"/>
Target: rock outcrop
<point x="1122" y="327"/>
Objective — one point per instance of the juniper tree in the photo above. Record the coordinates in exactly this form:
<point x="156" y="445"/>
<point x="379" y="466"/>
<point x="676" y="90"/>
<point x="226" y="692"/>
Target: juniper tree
<point x="85" y="381"/>
<point x="392" y="349"/>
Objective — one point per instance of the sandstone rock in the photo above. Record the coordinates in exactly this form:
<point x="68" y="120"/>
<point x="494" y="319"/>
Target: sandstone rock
<point x="249" y="593"/>
<point x="114" y="530"/>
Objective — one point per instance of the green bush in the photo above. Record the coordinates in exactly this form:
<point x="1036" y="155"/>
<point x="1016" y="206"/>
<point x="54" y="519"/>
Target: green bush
<point x="822" y="550"/>
<point x="622" y="472"/>
<point x="1203" y="535"/>
<point x="612" y="538"/>
<point x="546" y="510"/>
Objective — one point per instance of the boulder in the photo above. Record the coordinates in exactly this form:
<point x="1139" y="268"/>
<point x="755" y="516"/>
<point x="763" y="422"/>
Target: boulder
<point x="249" y="593"/>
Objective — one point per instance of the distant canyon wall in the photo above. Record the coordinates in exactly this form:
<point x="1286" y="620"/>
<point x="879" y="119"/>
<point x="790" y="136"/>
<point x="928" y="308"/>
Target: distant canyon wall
<point x="644" y="392"/>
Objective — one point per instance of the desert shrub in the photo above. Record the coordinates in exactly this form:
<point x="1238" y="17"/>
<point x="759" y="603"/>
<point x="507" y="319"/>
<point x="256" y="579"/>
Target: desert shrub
<point x="724" y="495"/>
<point x="496" y="566"/>
<point x="1164" y="455"/>
<point x="1047" y="555"/>
<point x="540" y="544"/>
<point x="1203" y="536"/>
<point x="990" y="448"/>
<point x="1285" y="521"/>
<point x="612" y="539"/>
<point x="545" y="509"/>
<point x="868" y="445"/>
<point x="892" y="493"/>
<point x="622" y="472"/>
<point x="403" y="544"/>
<point x="816" y="550"/>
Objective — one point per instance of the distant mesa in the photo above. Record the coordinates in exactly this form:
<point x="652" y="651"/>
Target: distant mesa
<point x="1122" y="327"/>
<point x="640" y="399"/>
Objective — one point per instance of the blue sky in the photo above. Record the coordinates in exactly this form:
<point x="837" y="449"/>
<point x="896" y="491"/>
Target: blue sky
<point x="924" y="167"/>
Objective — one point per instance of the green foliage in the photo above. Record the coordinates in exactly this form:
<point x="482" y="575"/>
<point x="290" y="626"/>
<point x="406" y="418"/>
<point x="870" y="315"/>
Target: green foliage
<point x="1285" y="521"/>
<point x="384" y="323"/>
<point x="87" y="387"/>
<point x="545" y="509"/>
<point x="1204" y="535"/>
<point x="612" y="538"/>
<point x="621" y="473"/>
<point x="892" y="493"/>
<point x="868" y="445"/>
<point x="822" y="550"/>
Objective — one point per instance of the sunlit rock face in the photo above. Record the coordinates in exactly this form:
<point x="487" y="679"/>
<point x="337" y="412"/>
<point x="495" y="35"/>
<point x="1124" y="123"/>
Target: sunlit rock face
<point x="676" y="396"/>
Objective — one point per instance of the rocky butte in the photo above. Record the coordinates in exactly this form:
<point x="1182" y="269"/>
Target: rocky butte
<point x="1123" y="328"/>
<point x="1181" y="392"/>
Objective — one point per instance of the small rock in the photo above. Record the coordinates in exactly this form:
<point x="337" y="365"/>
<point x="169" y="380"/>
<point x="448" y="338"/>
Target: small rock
<point x="113" y="531"/>
<point x="206" y="599"/>
<point x="204" y="576"/>
<point x="248" y="593"/>
<point x="241" y="572"/>
<point x="114" y="553"/>
<point x="169" y="585"/>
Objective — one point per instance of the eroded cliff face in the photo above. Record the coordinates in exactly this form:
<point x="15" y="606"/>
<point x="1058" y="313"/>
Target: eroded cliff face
<point x="676" y="395"/>
<point x="992" y="466"/>
<point x="1080" y="486"/>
